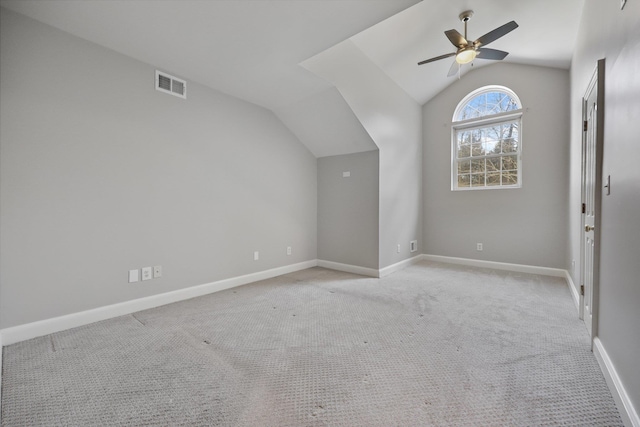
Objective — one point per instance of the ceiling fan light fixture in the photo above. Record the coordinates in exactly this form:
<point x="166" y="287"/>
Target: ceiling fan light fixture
<point x="466" y="55"/>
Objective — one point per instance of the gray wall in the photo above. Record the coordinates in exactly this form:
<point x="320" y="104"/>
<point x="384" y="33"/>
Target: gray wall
<point x="394" y="122"/>
<point x="348" y="209"/>
<point x="607" y="32"/>
<point x="522" y="226"/>
<point x="100" y="174"/>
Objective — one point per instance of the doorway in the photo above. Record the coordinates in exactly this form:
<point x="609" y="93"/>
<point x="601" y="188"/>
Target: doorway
<point x="592" y="147"/>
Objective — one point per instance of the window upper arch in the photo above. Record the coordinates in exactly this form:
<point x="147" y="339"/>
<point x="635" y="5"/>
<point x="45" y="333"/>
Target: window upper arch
<point x="487" y="101"/>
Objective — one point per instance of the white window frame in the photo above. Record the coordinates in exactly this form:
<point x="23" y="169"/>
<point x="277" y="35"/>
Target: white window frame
<point x="482" y="122"/>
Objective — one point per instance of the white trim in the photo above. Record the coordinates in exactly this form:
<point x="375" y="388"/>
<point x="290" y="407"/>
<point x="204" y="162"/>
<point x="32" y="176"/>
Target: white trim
<point x="627" y="412"/>
<point x="348" y="268"/>
<point x="44" y="327"/>
<point x="488" y="120"/>
<point x="398" y="266"/>
<point x="365" y="271"/>
<point x="573" y="290"/>
<point x="545" y="271"/>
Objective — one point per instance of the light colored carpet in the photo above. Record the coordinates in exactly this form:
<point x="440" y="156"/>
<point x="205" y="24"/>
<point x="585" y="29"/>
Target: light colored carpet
<point x="433" y="344"/>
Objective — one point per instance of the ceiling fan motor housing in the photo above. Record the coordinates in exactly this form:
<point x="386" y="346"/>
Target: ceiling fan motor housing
<point x="466" y="15"/>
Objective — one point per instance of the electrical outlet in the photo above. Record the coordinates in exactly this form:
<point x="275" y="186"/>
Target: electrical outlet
<point x="398" y="248"/>
<point x="413" y="245"/>
<point x="134" y="276"/>
<point x="147" y="273"/>
<point x="157" y="271"/>
<point x="479" y="247"/>
<point x="288" y="250"/>
<point x="256" y="256"/>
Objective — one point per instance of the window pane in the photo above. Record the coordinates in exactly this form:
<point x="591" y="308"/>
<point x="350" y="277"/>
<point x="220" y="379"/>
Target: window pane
<point x="468" y="112"/>
<point x="464" y="167"/>
<point x="492" y="139"/>
<point x="464" y="137"/>
<point x="464" y="151"/>
<point x="509" y="163"/>
<point x="509" y="146"/>
<point x="477" y="166"/>
<point x="477" y="150"/>
<point x="493" y="179"/>
<point x="510" y="137"/>
<point x="476" y="136"/>
<point x="509" y="177"/>
<point x="463" y="180"/>
<point x="493" y="133"/>
<point x="477" y="180"/>
<point x="493" y="164"/>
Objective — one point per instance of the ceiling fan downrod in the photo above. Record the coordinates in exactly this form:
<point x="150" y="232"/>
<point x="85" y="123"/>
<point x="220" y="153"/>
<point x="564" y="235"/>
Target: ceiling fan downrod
<point x="464" y="17"/>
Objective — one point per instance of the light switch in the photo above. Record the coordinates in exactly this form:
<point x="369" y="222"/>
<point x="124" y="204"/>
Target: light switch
<point x="346" y="174"/>
<point x="134" y="276"/>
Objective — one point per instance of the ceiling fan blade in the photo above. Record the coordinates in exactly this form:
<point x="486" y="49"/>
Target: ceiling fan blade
<point x="456" y="38"/>
<point x="437" y="58"/>
<point x="496" y="34"/>
<point x="455" y="67"/>
<point x="486" y="53"/>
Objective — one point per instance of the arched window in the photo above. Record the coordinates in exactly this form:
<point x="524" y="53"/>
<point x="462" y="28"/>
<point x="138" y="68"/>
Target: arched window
<point x="487" y="140"/>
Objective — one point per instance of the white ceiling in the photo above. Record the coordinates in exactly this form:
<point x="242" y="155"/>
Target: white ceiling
<point x="252" y="49"/>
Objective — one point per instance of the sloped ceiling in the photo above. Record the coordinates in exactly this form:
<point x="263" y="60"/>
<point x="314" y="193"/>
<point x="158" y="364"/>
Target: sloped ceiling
<point x="546" y="37"/>
<point x="252" y="49"/>
<point x="327" y="124"/>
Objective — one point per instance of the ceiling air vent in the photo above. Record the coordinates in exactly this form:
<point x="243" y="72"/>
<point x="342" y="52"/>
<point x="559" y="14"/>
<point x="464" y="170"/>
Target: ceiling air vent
<point x="172" y="85"/>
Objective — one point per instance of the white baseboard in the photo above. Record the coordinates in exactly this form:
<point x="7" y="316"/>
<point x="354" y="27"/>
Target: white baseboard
<point x="27" y="331"/>
<point x="1" y="343"/>
<point x="398" y="266"/>
<point x="348" y="268"/>
<point x="628" y="413"/>
<point x="574" y="291"/>
<point x="520" y="268"/>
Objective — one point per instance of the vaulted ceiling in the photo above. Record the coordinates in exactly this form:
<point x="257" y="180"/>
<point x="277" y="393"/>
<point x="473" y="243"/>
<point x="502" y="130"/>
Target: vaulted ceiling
<point x="252" y="49"/>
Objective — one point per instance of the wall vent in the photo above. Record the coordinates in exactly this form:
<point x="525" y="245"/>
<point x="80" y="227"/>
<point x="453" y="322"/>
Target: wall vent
<point x="172" y="85"/>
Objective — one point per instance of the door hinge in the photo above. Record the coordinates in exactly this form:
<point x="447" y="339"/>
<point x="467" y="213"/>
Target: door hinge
<point x="584" y="208"/>
<point x="585" y="126"/>
<point x="582" y="290"/>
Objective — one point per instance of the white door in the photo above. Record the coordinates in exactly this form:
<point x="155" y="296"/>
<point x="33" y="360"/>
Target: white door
<point x="591" y="197"/>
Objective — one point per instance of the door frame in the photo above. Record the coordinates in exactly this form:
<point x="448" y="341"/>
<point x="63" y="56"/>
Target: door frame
<point x="596" y="83"/>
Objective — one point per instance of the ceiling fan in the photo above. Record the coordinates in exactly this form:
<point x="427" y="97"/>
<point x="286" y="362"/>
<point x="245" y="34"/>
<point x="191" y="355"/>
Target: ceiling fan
<point x="468" y="51"/>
